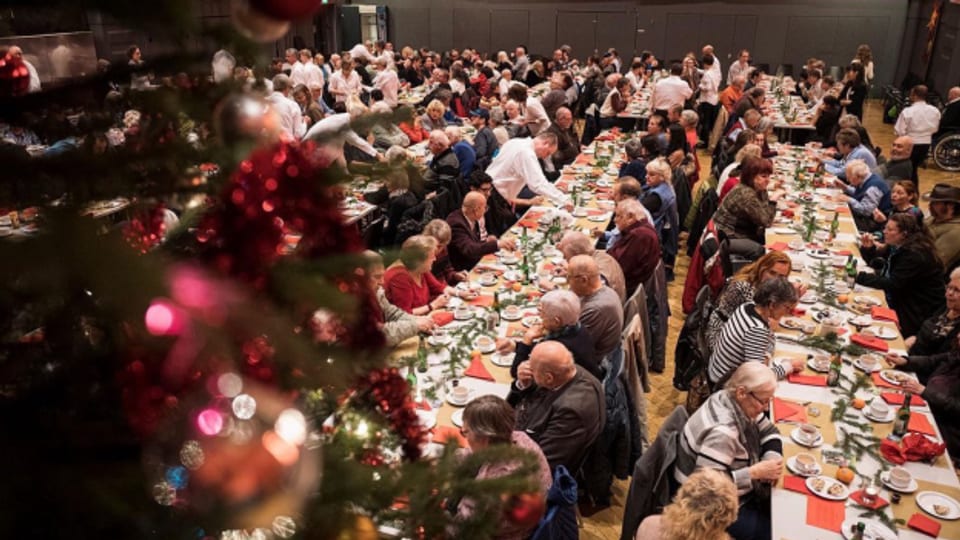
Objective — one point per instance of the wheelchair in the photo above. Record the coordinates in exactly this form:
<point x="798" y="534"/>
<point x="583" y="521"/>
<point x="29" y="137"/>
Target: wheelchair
<point x="946" y="151"/>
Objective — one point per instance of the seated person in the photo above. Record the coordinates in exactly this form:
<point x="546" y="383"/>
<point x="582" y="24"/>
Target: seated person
<point x="560" y="321"/>
<point x="399" y="200"/>
<point x="730" y="433"/>
<point x="625" y="187"/>
<point x="470" y="240"/>
<point x="747" y="211"/>
<point x="499" y="217"/>
<point x="938" y="334"/>
<point x="903" y="200"/>
<point x="442" y="269"/>
<point x="899" y="166"/>
<point x="638" y="248"/>
<point x="575" y="243"/>
<point x="396" y="324"/>
<point x="704" y="507"/>
<point x="944" y="223"/>
<point x="559" y="404"/>
<point x="635" y="166"/>
<point x="408" y="282"/>
<point x="601" y="312"/>
<point x="867" y="192"/>
<point x="850" y="147"/>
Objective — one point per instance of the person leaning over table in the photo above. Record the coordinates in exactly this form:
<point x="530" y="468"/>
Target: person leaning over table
<point x="470" y="240"/>
<point x="747" y="336"/>
<point x="747" y="211"/>
<point x="704" y="507"/>
<point x="731" y="433"/>
<point x="938" y="334"/>
<point x="560" y="321"/>
<point x="439" y="230"/>
<point x="396" y="324"/>
<point x="517" y="165"/>
<point x="939" y="386"/>
<point x="408" y="283"/>
<point x="490" y="422"/>
<point x="903" y="200"/>
<point x="944" y="223"/>
<point x="865" y="193"/>
<point x="909" y="270"/>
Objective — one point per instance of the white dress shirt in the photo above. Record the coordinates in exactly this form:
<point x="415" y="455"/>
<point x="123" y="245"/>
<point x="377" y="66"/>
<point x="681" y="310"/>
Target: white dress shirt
<point x="291" y="118"/>
<point x="516" y="166"/>
<point x="388" y="83"/>
<point x="297" y="75"/>
<point x="536" y="115"/>
<point x="737" y="68"/>
<point x="636" y="81"/>
<point x="360" y="51"/>
<point x="669" y="92"/>
<point x="918" y="121"/>
<point x="710" y="86"/>
<point x="715" y="68"/>
<point x="332" y="132"/>
<point x="312" y="75"/>
<point x="351" y="86"/>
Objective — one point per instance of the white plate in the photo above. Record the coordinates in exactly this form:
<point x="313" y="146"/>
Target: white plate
<point x="512" y="275"/>
<point x="505" y="316"/>
<point x="457" y="418"/>
<point x="884" y="332"/>
<point x="813" y="366"/>
<point x="509" y="259"/>
<point x="795" y="435"/>
<point x="433" y="341"/>
<point x="891" y="414"/>
<point x="890" y="375"/>
<point x="866" y="300"/>
<point x="828" y="483"/>
<point x="598" y="219"/>
<point x="809" y="297"/>
<point x="488" y="282"/>
<point x="580" y="212"/>
<point x="531" y="321"/>
<point x="5" y="232"/>
<point x="926" y="500"/>
<point x="453" y="401"/>
<point x="351" y="212"/>
<point x="874" y="530"/>
<point x="486" y="350"/>
<point x="502" y="360"/>
<point x="463" y="315"/>
<point x="427" y="419"/>
<point x="782" y="230"/>
<point x="793" y="323"/>
<point x="885" y="478"/>
<point x="792" y="465"/>
<point x="819" y="253"/>
<point x="861" y="367"/>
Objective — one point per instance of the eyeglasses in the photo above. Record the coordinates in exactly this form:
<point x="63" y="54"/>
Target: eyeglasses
<point x="760" y="401"/>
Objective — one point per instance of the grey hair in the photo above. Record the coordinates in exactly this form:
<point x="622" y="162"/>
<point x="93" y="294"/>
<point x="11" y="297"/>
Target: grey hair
<point x="395" y="154"/>
<point x="752" y="376"/>
<point x="662" y="167"/>
<point x="439" y="229"/>
<point x="576" y="243"/>
<point x="453" y="133"/>
<point x="849" y="121"/>
<point x="281" y="82"/>
<point x="764" y="125"/>
<point x="689" y="118"/>
<point x="632" y="208"/>
<point x="490" y="417"/>
<point x="438" y="136"/>
<point x="633" y="148"/>
<point x="858" y="168"/>
<point x="749" y="150"/>
<point x="562" y="304"/>
<point x="774" y="292"/>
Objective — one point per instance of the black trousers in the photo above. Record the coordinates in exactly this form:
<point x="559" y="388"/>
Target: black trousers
<point x="917" y="157"/>
<point x="708" y="116"/>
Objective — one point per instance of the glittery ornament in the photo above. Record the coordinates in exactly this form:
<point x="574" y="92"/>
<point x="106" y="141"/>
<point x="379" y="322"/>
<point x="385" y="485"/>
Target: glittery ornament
<point x="244" y="406"/>
<point x="146" y="228"/>
<point x="164" y="493"/>
<point x="239" y="117"/>
<point x="284" y="526"/>
<point x="526" y="509"/>
<point x="177" y="477"/>
<point x="387" y="393"/>
<point x="191" y="455"/>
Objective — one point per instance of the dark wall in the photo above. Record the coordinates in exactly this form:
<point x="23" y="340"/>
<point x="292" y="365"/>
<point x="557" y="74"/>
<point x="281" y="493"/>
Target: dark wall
<point x="943" y="69"/>
<point x="776" y="31"/>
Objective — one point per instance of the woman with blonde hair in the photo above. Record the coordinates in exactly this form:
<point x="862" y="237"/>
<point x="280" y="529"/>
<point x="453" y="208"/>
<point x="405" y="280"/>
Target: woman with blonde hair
<point x="704" y="507"/>
<point x="432" y="118"/>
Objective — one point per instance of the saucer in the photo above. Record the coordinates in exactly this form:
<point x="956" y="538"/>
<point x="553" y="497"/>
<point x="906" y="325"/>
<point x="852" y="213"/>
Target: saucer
<point x="861" y="367"/>
<point x="795" y="468"/>
<point x="531" y="321"/>
<point x="457" y="418"/>
<point x="795" y="435"/>
<point x="516" y="317"/>
<point x="463" y="315"/>
<point x="486" y="350"/>
<point x="457" y="403"/>
<point x="502" y="360"/>
<point x="891" y="414"/>
<point x="439" y="343"/>
<point x="885" y="478"/>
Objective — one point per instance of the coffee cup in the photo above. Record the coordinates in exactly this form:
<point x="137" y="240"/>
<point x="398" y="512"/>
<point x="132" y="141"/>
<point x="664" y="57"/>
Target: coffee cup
<point x="879" y="408"/>
<point x="484" y="343"/>
<point x="460" y="393"/>
<point x="821" y="362"/>
<point x="806" y="462"/>
<point x="463" y="312"/>
<point x="869" y="361"/>
<point x="900" y="478"/>
<point x="512" y="311"/>
<point x="809" y="432"/>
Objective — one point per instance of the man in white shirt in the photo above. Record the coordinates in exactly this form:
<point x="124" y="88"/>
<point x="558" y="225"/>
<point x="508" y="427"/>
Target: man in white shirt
<point x="291" y="118"/>
<point x="740" y="67"/>
<point x="289" y="61"/>
<point x="919" y="121"/>
<point x="709" y="102"/>
<point x="670" y="91"/>
<point x="308" y="73"/>
<point x="518" y="166"/>
<point x="362" y="50"/>
<point x="387" y="81"/>
<point x="333" y="131"/>
<point x="345" y="83"/>
<point x="636" y="75"/>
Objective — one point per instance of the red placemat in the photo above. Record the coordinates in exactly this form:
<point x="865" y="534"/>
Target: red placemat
<point x="478" y="371"/>
<point x="920" y="424"/>
<point x="810" y="380"/>
<point x="874" y="343"/>
<point x="442" y="318"/>
<point x="443" y="434"/>
<point x="922" y="523"/>
<point x="787" y="410"/>
<point x="857" y="497"/>
<point x="897" y="399"/>
<point x="482" y="301"/>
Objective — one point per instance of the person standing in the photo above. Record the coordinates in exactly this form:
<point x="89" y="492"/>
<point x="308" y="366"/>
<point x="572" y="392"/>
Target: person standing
<point x="919" y="121"/>
<point x="709" y="101"/>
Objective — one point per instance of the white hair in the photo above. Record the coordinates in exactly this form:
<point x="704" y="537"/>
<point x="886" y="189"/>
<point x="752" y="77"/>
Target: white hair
<point x="689" y="118"/>
<point x="395" y="154"/>
<point x="751" y="375"/>
<point x="438" y="136"/>
<point x="632" y="208"/>
<point x="453" y="133"/>
<point x="564" y="305"/>
<point x="858" y="168"/>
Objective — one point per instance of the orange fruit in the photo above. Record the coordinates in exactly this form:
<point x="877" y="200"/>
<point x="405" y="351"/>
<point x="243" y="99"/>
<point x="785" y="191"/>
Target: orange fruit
<point x="845" y="475"/>
<point x="843" y="298"/>
<point x="858" y="403"/>
<point x="517" y="287"/>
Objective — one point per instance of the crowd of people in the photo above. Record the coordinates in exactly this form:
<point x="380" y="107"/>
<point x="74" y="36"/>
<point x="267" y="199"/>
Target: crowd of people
<point x="444" y="215"/>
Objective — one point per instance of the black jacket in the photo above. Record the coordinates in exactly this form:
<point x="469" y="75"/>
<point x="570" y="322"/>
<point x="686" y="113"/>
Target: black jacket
<point x="940" y="374"/>
<point x="913" y="281"/>
<point x="576" y="340"/>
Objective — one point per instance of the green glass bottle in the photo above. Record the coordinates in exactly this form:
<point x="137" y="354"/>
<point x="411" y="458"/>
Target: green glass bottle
<point x="834" y="225"/>
<point x="851" y="271"/>
<point x="902" y="421"/>
<point x="836" y="365"/>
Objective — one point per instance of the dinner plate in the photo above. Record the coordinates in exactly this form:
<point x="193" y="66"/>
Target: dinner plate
<point x="598" y="219"/>
<point x="829" y="313"/>
<point x="580" y="212"/>
<point x="928" y="501"/>
<point x="488" y="280"/>
<point x="515" y="317"/>
<point x="781" y="230"/>
<point x="426" y="419"/>
<point x="463" y="315"/>
<point x="885" y="479"/>
<point x="893" y="376"/>
<point x="819" y="253"/>
<point x="884" y="332"/>
<point x="531" y="321"/>
<point x="795" y="435"/>
<point x="457" y="418"/>
<point x="840" y="491"/>
<point x="812" y="365"/>
<point x="793" y="323"/>
<point x="891" y="414"/>
<point x="502" y="360"/>
<point x="512" y="275"/>
<point x="795" y="469"/>
<point x="866" y="300"/>
<point x="432" y="340"/>
<point x="809" y="297"/>
<point x="873" y="529"/>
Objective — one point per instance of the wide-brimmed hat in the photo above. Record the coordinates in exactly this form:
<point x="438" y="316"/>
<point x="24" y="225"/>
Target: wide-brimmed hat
<point x="945" y="193"/>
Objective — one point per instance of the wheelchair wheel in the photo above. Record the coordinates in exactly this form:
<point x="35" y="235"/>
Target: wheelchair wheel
<point x="946" y="153"/>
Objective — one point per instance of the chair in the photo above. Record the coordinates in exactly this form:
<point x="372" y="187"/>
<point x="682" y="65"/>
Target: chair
<point x="716" y="134"/>
<point x="373" y="232"/>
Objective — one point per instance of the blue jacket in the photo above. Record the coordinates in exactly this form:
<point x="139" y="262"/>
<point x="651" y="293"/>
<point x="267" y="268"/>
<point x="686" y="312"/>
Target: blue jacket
<point x="867" y="200"/>
<point x="467" y="156"/>
<point x="838" y="167"/>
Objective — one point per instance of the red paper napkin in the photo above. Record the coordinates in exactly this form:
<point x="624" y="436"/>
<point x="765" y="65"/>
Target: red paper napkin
<point x="874" y="343"/>
<point x="825" y="514"/>
<point x="897" y="399"/>
<point x="920" y="424"/>
<point x="529" y="224"/>
<point x="880" y="382"/>
<point x="843" y="209"/>
<point x="478" y="371"/>
<point x="443" y="434"/>
<point x="786" y="410"/>
<point x="796" y="483"/>
<point x="810" y="380"/>
<point x="777" y="246"/>
<point x="482" y="301"/>
<point x="424" y="405"/>
<point x="857" y="497"/>
<point x="842" y="252"/>
<point x="596" y="212"/>
<point x="922" y="523"/>
<point x="442" y="318"/>
<point x="884" y="314"/>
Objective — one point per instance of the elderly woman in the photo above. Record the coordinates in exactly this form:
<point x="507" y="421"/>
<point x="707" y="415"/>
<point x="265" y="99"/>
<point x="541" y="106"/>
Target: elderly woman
<point x="442" y="269"/>
<point x="488" y="422"/>
<point x="399" y="200"/>
<point x="730" y="433"/>
<point x="432" y="118"/>
<point x="408" y="282"/>
<point x="396" y="324"/>
<point x="944" y="223"/>
<point x="559" y="321"/>
<point x="661" y="201"/>
<point x="747" y="335"/>
<point x="909" y="270"/>
<point x="747" y="210"/>
<point x="741" y="288"/>
<point x="703" y="508"/>
<point x="938" y="334"/>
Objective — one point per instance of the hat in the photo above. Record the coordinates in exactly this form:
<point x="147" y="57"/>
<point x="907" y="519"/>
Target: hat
<point x="482" y="113"/>
<point x="945" y="193"/>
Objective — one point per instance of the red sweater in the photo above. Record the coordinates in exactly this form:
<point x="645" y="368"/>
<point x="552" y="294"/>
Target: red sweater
<point x="405" y="293"/>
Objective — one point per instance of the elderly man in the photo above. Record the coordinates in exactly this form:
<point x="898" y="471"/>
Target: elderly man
<point x="899" y="166"/>
<point x="484" y="142"/>
<point x="731" y="433"/>
<point x="396" y="324"/>
<point x="557" y="96"/>
<point x="291" y="119"/>
<point x="739" y="68"/>
<point x="469" y="240"/>
<point x="387" y="81"/>
<point x="576" y="243"/>
<point x="518" y="165"/>
<point x="463" y="150"/>
<point x="559" y="404"/>
<point x="850" y="147"/>
<point x="626" y="187"/>
<point x="444" y="169"/>
<point x="521" y="63"/>
<point x="601" y="311"/>
<point x="867" y="192"/>
<point x="670" y="91"/>
<point x="499" y="216"/>
<point x="950" y="118"/>
<point x="919" y="121"/>
<point x="638" y="249"/>
<point x="560" y="321"/>
<point x="732" y="93"/>
<point x="568" y="145"/>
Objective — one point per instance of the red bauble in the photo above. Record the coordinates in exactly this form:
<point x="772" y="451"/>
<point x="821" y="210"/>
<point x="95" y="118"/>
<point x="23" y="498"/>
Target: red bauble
<point x="526" y="509"/>
<point x="286" y="10"/>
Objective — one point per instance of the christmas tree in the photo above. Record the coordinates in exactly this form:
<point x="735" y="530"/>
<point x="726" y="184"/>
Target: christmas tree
<point x="219" y="378"/>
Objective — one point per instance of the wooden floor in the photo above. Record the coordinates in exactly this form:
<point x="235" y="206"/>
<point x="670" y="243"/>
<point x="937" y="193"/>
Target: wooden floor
<point x="663" y="397"/>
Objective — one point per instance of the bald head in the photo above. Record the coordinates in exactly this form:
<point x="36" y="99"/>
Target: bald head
<point x="552" y="364"/>
<point x="901" y="148"/>
<point x="474" y="205"/>
<point x="575" y="243"/>
<point x="583" y="275"/>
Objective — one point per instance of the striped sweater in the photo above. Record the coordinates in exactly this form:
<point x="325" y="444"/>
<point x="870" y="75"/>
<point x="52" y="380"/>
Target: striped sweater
<point x="745" y="337"/>
<point x="714" y="437"/>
